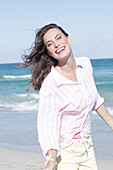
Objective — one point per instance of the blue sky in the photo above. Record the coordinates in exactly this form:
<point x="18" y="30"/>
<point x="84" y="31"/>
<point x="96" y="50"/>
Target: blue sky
<point x="88" y="22"/>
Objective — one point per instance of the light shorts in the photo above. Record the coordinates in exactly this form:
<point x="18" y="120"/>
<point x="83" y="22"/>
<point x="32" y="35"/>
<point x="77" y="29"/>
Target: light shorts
<point x="78" y="156"/>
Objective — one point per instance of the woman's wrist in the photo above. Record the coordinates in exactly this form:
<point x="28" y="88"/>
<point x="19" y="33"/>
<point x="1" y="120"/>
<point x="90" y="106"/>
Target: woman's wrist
<point x="51" y="160"/>
<point x="52" y="153"/>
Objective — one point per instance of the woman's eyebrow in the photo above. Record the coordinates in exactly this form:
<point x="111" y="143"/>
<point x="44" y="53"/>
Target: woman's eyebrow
<point x="51" y="40"/>
<point x="48" y="41"/>
<point x="57" y="35"/>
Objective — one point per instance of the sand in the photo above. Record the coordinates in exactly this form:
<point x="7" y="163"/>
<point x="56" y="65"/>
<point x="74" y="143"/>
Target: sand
<point x="11" y="159"/>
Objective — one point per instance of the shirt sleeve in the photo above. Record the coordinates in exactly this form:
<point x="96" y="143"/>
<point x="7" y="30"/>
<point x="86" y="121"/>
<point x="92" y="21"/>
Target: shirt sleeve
<point x="99" y="100"/>
<point x="47" y="123"/>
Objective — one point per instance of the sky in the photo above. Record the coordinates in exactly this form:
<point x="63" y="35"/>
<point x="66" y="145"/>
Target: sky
<point x="88" y="22"/>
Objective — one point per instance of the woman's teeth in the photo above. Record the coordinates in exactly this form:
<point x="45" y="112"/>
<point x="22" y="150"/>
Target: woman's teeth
<point x="59" y="50"/>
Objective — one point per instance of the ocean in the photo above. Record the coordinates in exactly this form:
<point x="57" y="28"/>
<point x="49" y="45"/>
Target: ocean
<point x="18" y="109"/>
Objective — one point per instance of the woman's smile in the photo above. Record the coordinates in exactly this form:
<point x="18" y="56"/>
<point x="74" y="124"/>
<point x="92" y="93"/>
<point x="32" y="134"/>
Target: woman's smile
<point x="60" y="50"/>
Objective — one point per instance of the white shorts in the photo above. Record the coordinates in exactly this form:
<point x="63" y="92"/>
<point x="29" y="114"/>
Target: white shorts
<point x="78" y="156"/>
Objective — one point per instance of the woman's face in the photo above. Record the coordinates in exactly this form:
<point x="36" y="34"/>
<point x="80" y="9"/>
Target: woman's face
<point x="57" y="44"/>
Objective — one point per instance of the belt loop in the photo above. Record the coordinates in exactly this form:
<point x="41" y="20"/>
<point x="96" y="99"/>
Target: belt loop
<point x="86" y="144"/>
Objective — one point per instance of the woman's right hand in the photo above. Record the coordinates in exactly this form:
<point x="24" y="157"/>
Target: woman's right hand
<point x="51" y="163"/>
<point x="50" y="166"/>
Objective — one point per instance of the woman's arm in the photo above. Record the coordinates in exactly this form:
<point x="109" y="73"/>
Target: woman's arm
<point x="105" y="115"/>
<point x="47" y="122"/>
<point x="48" y="127"/>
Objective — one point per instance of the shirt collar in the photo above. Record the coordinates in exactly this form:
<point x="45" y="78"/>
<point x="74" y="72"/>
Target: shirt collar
<point x="60" y="80"/>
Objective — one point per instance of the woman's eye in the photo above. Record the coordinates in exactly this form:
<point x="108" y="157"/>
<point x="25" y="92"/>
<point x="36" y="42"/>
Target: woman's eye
<point x="48" y="45"/>
<point x="59" y="37"/>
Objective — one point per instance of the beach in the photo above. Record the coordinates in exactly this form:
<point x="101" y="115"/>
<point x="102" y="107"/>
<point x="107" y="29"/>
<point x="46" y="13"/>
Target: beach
<point x="19" y="145"/>
<point x="11" y="159"/>
<point x="21" y="156"/>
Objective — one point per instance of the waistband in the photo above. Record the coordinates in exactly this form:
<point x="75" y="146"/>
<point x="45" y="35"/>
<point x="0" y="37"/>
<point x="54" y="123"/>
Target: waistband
<point x="77" y="136"/>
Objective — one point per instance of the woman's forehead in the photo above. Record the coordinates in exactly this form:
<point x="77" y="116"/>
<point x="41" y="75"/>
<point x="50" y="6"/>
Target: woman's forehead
<point x="51" y="33"/>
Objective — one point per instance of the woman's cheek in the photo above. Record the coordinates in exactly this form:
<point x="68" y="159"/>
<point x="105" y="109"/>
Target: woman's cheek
<point x="50" y="52"/>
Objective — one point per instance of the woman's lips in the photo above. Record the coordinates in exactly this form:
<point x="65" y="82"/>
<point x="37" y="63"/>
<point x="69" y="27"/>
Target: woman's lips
<point x="59" y="50"/>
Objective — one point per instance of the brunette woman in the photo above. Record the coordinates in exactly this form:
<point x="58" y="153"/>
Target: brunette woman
<point x="68" y="96"/>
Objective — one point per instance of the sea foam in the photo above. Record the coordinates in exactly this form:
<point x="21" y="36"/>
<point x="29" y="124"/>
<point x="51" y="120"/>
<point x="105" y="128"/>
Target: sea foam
<point x="16" y="77"/>
<point x="23" y="106"/>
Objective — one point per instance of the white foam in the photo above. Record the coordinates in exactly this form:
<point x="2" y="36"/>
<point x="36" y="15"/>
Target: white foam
<point x="23" y="106"/>
<point x="21" y="95"/>
<point x="34" y="95"/>
<point x="31" y="95"/>
<point x="16" y="77"/>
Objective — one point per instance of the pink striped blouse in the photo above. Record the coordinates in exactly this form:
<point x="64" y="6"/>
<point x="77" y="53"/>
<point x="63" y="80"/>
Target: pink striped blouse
<point x="65" y="106"/>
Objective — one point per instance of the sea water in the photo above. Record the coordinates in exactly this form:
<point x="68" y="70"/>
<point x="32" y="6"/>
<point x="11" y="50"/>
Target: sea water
<point x="18" y="109"/>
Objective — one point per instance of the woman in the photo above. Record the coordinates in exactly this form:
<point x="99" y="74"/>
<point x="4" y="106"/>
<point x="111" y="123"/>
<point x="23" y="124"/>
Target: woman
<point x="68" y="95"/>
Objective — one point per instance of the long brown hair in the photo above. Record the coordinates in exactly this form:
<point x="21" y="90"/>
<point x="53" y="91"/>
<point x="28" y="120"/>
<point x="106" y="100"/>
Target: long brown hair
<point x="38" y="60"/>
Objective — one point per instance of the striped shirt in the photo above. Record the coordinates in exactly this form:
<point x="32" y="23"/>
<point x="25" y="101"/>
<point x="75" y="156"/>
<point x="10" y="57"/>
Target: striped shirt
<point x="65" y="106"/>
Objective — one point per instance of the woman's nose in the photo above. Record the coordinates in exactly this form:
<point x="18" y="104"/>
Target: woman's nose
<point x="56" y="44"/>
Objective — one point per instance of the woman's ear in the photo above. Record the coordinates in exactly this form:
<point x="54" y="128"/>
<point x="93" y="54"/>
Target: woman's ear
<point x="69" y="39"/>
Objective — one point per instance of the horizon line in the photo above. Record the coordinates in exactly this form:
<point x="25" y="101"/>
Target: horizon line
<point x="16" y="62"/>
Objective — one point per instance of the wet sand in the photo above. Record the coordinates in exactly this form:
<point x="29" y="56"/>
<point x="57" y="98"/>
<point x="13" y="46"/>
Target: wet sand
<point x="11" y="159"/>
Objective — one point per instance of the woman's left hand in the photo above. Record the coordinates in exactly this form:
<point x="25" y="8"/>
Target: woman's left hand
<point x="50" y="166"/>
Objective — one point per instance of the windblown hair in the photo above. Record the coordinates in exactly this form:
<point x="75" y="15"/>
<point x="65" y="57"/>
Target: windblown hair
<point x="38" y="60"/>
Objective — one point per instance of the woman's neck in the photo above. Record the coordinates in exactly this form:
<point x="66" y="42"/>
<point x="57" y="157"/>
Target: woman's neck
<point x="67" y="67"/>
<point x="68" y="70"/>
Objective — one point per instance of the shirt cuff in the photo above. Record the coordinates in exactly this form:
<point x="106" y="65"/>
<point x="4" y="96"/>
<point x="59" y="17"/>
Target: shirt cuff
<point x="99" y="102"/>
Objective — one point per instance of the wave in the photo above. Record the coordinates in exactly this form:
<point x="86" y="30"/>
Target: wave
<point x="20" y="102"/>
<point x="31" y="105"/>
<point x="16" y="77"/>
<point x="30" y="95"/>
<point x="23" y="106"/>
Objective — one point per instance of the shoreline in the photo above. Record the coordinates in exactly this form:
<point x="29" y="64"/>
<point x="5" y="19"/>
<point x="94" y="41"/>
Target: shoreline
<point x="12" y="159"/>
